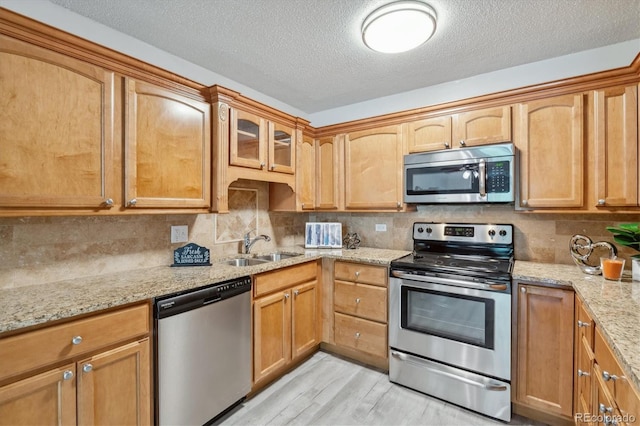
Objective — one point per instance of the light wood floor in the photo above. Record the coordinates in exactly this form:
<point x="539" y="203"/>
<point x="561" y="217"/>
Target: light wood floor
<point x="328" y="390"/>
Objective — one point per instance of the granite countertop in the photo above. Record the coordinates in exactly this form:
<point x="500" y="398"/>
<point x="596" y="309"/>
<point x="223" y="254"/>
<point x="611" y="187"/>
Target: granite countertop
<point x="38" y="304"/>
<point x="613" y="305"/>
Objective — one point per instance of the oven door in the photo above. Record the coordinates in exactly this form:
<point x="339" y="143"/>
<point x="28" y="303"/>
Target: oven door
<point x="464" y="327"/>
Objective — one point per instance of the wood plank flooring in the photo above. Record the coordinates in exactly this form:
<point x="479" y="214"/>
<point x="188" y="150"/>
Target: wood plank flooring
<point x="328" y="390"/>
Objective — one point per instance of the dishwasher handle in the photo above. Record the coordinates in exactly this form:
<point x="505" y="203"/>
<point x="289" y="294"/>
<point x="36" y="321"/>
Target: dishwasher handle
<point x="177" y="303"/>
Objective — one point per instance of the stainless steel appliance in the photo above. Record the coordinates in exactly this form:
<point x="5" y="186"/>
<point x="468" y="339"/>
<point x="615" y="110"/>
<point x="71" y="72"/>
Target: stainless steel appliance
<point x="450" y="315"/>
<point x="482" y="174"/>
<point x="203" y="352"/>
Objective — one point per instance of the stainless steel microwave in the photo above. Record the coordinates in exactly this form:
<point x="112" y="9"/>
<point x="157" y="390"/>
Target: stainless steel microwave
<point x="482" y="174"/>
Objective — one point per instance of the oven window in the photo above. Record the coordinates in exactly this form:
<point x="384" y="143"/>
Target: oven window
<point x="456" y="317"/>
<point x="458" y="179"/>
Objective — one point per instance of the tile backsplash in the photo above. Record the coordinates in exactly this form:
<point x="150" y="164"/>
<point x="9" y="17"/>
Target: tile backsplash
<point x="35" y="250"/>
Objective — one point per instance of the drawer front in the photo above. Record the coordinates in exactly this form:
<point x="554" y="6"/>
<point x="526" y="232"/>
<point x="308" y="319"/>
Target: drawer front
<point x="360" y="273"/>
<point x="360" y="334"/>
<point x="280" y="279"/>
<point x="362" y="300"/>
<point x="35" y="349"/>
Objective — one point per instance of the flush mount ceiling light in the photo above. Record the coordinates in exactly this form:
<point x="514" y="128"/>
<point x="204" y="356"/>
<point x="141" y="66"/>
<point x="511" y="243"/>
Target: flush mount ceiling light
<point x="398" y="27"/>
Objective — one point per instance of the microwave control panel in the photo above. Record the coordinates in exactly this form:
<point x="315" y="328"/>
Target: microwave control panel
<point x="498" y="179"/>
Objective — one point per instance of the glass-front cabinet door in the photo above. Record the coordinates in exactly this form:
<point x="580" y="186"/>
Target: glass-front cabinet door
<point x="248" y="140"/>
<point x="281" y="148"/>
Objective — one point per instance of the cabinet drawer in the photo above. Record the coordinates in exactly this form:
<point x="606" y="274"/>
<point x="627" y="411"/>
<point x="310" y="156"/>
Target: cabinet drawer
<point x="35" y="349"/>
<point x="360" y="334"/>
<point x="279" y="279"/>
<point x="357" y="272"/>
<point x="362" y="300"/>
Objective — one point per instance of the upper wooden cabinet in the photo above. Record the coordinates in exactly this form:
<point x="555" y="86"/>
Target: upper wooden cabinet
<point x="56" y="131"/>
<point x="306" y="173"/>
<point x="373" y="169"/>
<point x="167" y="149"/>
<point x="471" y="128"/>
<point x="329" y="172"/>
<point x="615" y="136"/>
<point x="550" y="139"/>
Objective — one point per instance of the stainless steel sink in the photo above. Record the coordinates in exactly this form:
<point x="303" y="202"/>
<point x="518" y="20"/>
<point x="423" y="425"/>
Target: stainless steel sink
<point x="274" y="257"/>
<point x="245" y="262"/>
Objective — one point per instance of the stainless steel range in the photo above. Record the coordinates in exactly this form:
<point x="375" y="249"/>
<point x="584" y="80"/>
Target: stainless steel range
<point x="450" y="315"/>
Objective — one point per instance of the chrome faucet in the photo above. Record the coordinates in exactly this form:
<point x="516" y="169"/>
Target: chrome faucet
<point x="248" y="242"/>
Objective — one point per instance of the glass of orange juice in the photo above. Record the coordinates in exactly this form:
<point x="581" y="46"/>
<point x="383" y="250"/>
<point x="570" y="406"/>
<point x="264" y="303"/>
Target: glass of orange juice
<point x="612" y="268"/>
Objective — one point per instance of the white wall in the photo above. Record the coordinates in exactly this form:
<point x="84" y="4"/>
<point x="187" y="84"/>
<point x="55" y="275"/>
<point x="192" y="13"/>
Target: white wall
<point x="609" y="57"/>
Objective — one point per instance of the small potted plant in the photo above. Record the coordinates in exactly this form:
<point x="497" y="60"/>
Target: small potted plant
<point x="628" y="235"/>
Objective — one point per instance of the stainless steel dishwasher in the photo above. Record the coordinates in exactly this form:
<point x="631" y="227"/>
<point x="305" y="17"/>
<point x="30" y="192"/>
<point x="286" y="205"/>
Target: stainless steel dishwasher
<point x="202" y="352"/>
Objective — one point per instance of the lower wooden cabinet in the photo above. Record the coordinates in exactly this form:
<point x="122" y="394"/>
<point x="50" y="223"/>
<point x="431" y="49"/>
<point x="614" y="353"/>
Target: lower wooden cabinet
<point x="286" y="319"/>
<point x="107" y="385"/>
<point x="544" y="353"/>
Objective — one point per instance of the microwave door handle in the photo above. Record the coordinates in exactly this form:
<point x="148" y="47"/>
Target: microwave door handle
<point x="483" y="177"/>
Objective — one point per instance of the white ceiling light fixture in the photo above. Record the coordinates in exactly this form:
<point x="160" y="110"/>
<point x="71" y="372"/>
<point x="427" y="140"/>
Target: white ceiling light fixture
<point x="399" y="27"/>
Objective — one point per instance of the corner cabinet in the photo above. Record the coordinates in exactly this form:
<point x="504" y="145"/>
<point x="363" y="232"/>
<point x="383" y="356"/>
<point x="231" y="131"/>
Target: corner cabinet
<point x="549" y="135"/>
<point x="167" y="149"/>
<point x="95" y="370"/>
<point x="471" y="128"/>
<point x="286" y="319"/>
<point x="56" y="132"/>
<point x="373" y="169"/>
<point x="543" y="363"/>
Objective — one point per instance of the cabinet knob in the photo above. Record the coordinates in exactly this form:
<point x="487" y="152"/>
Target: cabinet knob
<point x="132" y="202"/>
<point x="523" y="290"/>
<point x="357" y="300"/>
<point x="583" y="324"/>
<point x="602" y="202"/>
<point x="357" y="334"/>
<point x="302" y="205"/>
<point x="604" y="409"/>
<point x="296" y="292"/>
<point x="462" y="143"/>
<point x="524" y="202"/>
<point x="76" y="340"/>
<point x="582" y="373"/>
<point x="272" y="167"/>
<point x="446" y="144"/>
<point x="286" y="295"/>
<point x="262" y="165"/>
<point x="399" y="204"/>
<point x="108" y="202"/>
<point x="67" y="375"/>
<point x="87" y="368"/>
<point x="606" y="376"/>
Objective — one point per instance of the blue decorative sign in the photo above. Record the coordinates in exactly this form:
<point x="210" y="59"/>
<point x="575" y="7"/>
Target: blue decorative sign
<point x="191" y="255"/>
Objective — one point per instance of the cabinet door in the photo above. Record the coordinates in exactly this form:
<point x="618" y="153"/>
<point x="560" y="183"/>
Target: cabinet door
<point x="248" y="140"/>
<point x="373" y="169"/>
<point x="482" y="127"/>
<point x="545" y="349"/>
<point x="306" y="173"/>
<point x="271" y="333"/>
<point x="45" y="399"/>
<point x="328" y="167"/>
<point x="616" y="144"/>
<point x="114" y="387"/>
<point x="604" y="407"/>
<point x="430" y="134"/>
<point x="304" y="319"/>
<point x="583" y="377"/>
<point x="167" y="150"/>
<point x="550" y="140"/>
<point x="282" y="142"/>
<point x="56" y="131"/>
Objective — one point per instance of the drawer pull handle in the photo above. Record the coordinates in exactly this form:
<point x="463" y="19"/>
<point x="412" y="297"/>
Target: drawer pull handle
<point x="582" y="373"/>
<point x="76" y="340"/>
<point x="583" y="324"/>
<point x="357" y="335"/>
<point x="87" y="368"/>
<point x="357" y="300"/>
<point x="606" y="376"/>
<point x="357" y="274"/>
<point x="67" y="375"/>
<point x="286" y="295"/>
<point x="296" y="292"/>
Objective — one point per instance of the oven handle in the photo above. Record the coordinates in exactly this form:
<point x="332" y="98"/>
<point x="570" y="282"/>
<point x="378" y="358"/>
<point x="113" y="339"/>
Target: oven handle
<point x="482" y="184"/>
<point x="439" y="280"/>
<point x="487" y="386"/>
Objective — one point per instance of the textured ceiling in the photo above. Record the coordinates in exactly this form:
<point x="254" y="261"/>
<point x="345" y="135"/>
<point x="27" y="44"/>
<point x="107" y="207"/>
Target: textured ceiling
<point x="309" y="54"/>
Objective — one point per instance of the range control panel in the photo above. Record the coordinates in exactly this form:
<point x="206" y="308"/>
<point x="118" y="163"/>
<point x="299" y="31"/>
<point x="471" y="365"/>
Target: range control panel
<point x="468" y="232"/>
